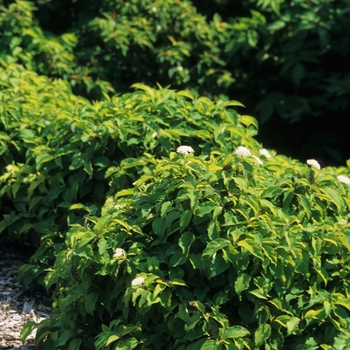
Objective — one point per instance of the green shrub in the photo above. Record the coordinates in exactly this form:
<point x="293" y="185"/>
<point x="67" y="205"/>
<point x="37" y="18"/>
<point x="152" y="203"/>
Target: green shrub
<point x="24" y="41"/>
<point x="62" y="155"/>
<point x="218" y="250"/>
<point x="151" y="249"/>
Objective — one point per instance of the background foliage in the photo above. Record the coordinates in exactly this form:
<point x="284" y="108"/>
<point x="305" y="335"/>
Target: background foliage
<point x="286" y="61"/>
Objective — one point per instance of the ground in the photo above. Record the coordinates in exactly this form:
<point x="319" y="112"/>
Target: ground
<point x="16" y="305"/>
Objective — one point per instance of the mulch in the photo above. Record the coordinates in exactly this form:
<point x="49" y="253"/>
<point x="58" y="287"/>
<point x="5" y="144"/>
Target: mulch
<point x="18" y="306"/>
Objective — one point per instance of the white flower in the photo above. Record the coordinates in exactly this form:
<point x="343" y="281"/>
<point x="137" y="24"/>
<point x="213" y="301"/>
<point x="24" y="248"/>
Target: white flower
<point x="119" y="252"/>
<point x="137" y="282"/>
<point x="344" y="179"/>
<point x="154" y="9"/>
<point x="184" y="149"/>
<point x="342" y="222"/>
<point x="72" y="127"/>
<point x="154" y="135"/>
<point x="259" y="161"/>
<point x="242" y="151"/>
<point x="313" y="163"/>
<point x="264" y="152"/>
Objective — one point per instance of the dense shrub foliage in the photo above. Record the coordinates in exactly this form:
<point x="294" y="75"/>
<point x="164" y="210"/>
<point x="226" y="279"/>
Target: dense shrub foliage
<point x="208" y="251"/>
<point x="158" y="220"/>
<point x="280" y="58"/>
<point x="63" y="155"/>
<point x="219" y="245"/>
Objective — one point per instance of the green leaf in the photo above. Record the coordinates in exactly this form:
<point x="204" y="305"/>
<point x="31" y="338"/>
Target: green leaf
<point x="34" y="201"/>
<point x="185" y="219"/>
<point x="88" y="168"/>
<point x="253" y="37"/>
<point x="261" y="334"/>
<point x="112" y="338"/>
<point x="242" y="183"/>
<point x="159" y="226"/>
<point x="242" y="283"/>
<point x="318" y="315"/>
<point x="288" y="322"/>
<point x="26" y="227"/>
<point x="90" y="301"/>
<point x="258" y="294"/>
<point x="247" y="120"/>
<point x="101" y="162"/>
<point x="126" y="344"/>
<point x="186" y="93"/>
<point x="217" y="266"/>
<point x="126" y="192"/>
<point x="43" y="158"/>
<point x="334" y="197"/>
<point x="74" y="344"/>
<point x="209" y="345"/>
<point x="236" y="332"/>
<point x="185" y="241"/>
<point x="64" y="336"/>
<point x="305" y="204"/>
<point x="79" y="206"/>
<point x="205" y="208"/>
<point x="53" y="194"/>
<point x="26" y="330"/>
<point x="110" y="171"/>
<point x="177" y="259"/>
<point x="252" y="247"/>
<point x="102" y="246"/>
<point x="215" y="245"/>
<point x="271" y="191"/>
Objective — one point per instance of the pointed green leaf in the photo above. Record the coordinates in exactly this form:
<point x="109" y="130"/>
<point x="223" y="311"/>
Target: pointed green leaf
<point x="26" y="330"/>
<point x="90" y="301"/>
<point x="262" y="334"/>
<point x="185" y="241"/>
<point x="236" y="332"/>
<point x="185" y="219"/>
<point x="258" y="294"/>
<point x="74" y="344"/>
<point x="242" y="283"/>
<point x="334" y="196"/>
<point x="205" y="208"/>
<point x="252" y="247"/>
<point x="213" y="246"/>
<point x="112" y="338"/>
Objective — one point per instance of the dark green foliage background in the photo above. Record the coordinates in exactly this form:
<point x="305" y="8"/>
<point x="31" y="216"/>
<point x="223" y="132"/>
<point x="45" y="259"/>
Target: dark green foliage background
<point x="288" y="62"/>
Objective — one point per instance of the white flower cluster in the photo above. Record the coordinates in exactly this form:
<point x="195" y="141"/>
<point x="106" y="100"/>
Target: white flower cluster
<point x="344" y="179"/>
<point x="137" y="282"/>
<point x="242" y="151"/>
<point x="119" y="252"/>
<point x="313" y="163"/>
<point x="184" y="150"/>
<point x="264" y="152"/>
